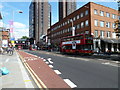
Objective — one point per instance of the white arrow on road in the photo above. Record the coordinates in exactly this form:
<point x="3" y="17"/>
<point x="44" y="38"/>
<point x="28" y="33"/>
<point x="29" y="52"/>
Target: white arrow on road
<point x="49" y="60"/>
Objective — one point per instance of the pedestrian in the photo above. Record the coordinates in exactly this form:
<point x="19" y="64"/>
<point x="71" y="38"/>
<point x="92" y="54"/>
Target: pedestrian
<point x="98" y="50"/>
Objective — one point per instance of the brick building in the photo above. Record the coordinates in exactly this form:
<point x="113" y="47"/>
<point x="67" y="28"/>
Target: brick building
<point x="91" y="18"/>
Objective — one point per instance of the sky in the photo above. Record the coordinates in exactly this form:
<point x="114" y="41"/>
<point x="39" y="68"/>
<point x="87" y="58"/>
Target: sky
<point x="10" y="11"/>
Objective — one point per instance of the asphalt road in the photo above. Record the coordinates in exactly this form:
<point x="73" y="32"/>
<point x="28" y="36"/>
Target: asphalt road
<point x="84" y="73"/>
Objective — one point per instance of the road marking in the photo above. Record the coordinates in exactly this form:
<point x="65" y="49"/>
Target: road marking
<point x="83" y="59"/>
<point x="114" y="65"/>
<point x="51" y="66"/>
<point x="27" y="80"/>
<point x="49" y="60"/>
<point x="78" y="58"/>
<point x="71" y="84"/>
<point x="6" y="60"/>
<point x="106" y="63"/>
<point x="44" y="60"/>
<point x="25" y="75"/>
<point x="58" y="72"/>
<point x="31" y="71"/>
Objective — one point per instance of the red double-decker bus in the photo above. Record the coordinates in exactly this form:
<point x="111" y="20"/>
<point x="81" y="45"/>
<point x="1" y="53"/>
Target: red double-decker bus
<point x="80" y="44"/>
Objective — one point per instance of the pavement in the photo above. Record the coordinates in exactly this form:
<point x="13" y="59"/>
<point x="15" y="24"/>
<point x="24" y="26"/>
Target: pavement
<point x="18" y="77"/>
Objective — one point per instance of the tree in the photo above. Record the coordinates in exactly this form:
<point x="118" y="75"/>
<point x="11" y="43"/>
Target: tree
<point x="24" y="37"/>
<point x="117" y="27"/>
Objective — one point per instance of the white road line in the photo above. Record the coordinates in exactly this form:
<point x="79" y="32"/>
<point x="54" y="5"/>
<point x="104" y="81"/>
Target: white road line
<point x="49" y="59"/>
<point x="106" y="63"/>
<point x="6" y="60"/>
<point x="57" y="72"/>
<point x="71" y="84"/>
<point x="47" y="62"/>
<point x="114" y="65"/>
<point x="44" y="60"/>
<point x="78" y="58"/>
<point x="51" y="66"/>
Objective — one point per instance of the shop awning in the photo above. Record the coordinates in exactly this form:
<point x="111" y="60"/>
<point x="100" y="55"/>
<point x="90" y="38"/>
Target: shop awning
<point x="111" y="40"/>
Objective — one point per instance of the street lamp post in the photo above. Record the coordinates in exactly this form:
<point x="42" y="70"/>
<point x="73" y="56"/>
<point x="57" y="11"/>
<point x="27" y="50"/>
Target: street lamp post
<point x="12" y="27"/>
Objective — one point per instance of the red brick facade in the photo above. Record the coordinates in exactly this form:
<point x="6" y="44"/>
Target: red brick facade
<point x="92" y="18"/>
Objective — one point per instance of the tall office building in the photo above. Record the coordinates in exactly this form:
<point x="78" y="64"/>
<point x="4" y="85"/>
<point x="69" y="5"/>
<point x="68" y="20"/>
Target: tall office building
<point x="66" y="8"/>
<point x="39" y="19"/>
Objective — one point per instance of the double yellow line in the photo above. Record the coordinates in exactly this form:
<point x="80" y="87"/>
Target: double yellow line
<point x="37" y="80"/>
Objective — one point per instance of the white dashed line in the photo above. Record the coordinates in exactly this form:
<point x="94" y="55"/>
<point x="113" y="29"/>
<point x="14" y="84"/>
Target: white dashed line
<point x="71" y="84"/>
<point x="47" y="62"/>
<point x="58" y="72"/>
<point x="44" y="60"/>
<point x="51" y="66"/>
<point x="6" y="60"/>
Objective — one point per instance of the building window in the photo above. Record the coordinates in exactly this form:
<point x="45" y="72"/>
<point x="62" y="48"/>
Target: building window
<point x="86" y="12"/>
<point x="86" y="23"/>
<point x="68" y="30"/>
<point x="108" y="34"/>
<point x="74" y="19"/>
<point x="96" y="33"/>
<point x="86" y="32"/>
<point x="107" y="14"/>
<point x="95" y="11"/>
<point x="82" y="24"/>
<point x="101" y="23"/>
<point x="77" y="16"/>
<point x="81" y="15"/>
<point x="101" y="13"/>
<point x="96" y="22"/>
<point x="113" y="16"/>
<point x="102" y="34"/>
<point x="113" y="25"/>
<point x="108" y="24"/>
<point x="78" y="26"/>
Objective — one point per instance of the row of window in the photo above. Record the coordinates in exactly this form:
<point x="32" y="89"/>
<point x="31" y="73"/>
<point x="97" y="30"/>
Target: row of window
<point x="103" y="34"/>
<point x="102" y="13"/>
<point x="78" y="26"/>
<point x="82" y="14"/>
<point x="104" y="24"/>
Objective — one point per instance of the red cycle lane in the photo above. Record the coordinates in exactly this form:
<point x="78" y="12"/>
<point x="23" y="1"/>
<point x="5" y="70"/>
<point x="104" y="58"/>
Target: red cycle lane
<point x="45" y="76"/>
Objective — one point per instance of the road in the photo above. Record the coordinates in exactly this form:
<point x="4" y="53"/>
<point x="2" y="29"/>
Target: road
<point x="82" y="72"/>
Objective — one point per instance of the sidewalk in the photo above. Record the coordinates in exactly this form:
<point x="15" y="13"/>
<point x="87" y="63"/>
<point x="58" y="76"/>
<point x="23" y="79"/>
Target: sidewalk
<point x="18" y="76"/>
<point x="43" y="75"/>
